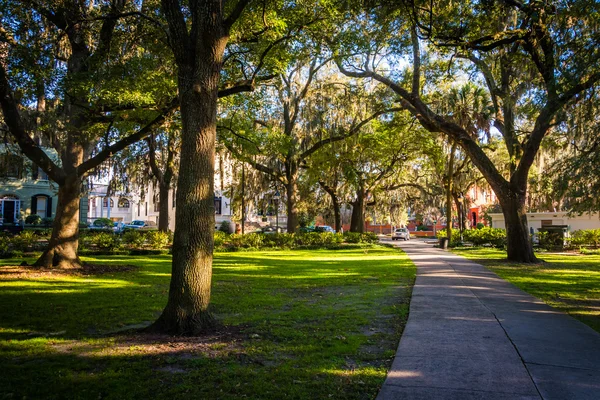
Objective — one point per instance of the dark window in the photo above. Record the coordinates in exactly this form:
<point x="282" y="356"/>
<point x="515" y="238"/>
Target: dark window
<point x="105" y="203"/>
<point x="123" y="203"/>
<point x="157" y="206"/>
<point x="11" y="166"/>
<point x="546" y="222"/>
<point x="146" y="209"/>
<point x="218" y="205"/>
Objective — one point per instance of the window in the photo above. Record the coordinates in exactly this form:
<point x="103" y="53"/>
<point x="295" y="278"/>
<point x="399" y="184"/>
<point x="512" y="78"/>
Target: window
<point x="123" y="203"/>
<point x="546" y="222"/>
<point x="41" y="175"/>
<point x="139" y="208"/>
<point x="11" y="166"/>
<point x="42" y="206"/>
<point x="218" y="205"/>
<point x="105" y="203"/>
<point x="174" y="195"/>
<point x="157" y="206"/>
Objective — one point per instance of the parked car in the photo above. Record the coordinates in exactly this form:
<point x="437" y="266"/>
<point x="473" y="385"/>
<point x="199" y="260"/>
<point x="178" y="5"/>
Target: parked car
<point x="269" y="229"/>
<point x="324" y="228"/>
<point x="118" y="227"/>
<point x="401" y="233"/>
<point x="139" y="224"/>
<point x="102" y="224"/>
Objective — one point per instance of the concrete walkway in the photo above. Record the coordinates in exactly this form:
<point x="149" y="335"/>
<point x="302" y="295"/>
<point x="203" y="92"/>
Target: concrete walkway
<point x="472" y="335"/>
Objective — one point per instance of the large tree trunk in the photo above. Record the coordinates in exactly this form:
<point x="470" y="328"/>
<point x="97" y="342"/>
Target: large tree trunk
<point x="335" y="204"/>
<point x="519" y="246"/>
<point x="291" y="189"/>
<point x="186" y="311"/>
<point x="163" y="215"/>
<point x="357" y="222"/>
<point x="449" y="182"/>
<point x="61" y="251"/>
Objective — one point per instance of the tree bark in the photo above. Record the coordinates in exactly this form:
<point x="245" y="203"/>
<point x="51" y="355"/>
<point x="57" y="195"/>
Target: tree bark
<point x="449" y="182"/>
<point x="187" y="311"/>
<point x="291" y="189"/>
<point x="519" y="246"/>
<point x="61" y="251"/>
<point x="335" y="203"/>
<point x="357" y="221"/>
<point x="163" y="214"/>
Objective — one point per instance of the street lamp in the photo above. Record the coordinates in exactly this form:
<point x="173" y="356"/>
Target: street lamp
<point x="276" y="198"/>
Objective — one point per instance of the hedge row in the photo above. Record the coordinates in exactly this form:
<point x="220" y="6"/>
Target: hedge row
<point x="105" y="241"/>
<point x="479" y="237"/>
<point x="225" y="242"/>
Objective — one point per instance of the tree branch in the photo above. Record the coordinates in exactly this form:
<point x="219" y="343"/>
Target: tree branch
<point x="104" y="154"/>
<point x="350" y="133"/>
<point x="26" y="144"/>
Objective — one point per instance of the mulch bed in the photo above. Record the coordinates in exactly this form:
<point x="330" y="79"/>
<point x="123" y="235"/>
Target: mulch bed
<point x="25" y="271"/>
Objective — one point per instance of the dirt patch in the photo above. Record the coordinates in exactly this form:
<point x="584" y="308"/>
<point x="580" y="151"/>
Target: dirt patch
<point x="28" y="271"/>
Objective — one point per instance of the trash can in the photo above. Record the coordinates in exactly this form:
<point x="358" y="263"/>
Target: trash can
<point x="444" y="243"/>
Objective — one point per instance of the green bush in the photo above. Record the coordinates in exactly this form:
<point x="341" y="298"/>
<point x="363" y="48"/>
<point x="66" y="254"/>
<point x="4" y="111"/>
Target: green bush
<point x="134" y="238"/>
<point x="352" y="237"/>
<point x="220" y="238"/>
<point x="4" y="246"/>
<point x="25" y="241"/>
<point x="157" y="239"/>
<point x="586" y="237"/>
<point x="486" y="235"/>
<point x="106" y="241"/>
<point x="225" y="226"/>
<point x="280" y="240"/>
<point x="103" y="223"/>
<point x="33" y="219"/>
<point x="251" y="240"/>
<point x="369" y="237"/>
<point x="47" y="222"/>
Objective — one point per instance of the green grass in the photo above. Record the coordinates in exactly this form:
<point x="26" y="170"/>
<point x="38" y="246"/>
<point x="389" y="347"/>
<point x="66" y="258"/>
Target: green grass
<point x="306" y="325"/>
<point x="569" y="282"/>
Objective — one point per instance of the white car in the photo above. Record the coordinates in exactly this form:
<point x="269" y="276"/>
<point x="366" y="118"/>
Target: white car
<point x="401" y="233"/>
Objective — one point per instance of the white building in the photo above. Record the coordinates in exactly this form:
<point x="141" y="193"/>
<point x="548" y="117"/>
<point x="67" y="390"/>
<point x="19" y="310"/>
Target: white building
<point x="541" y="219"/>
<point x="143" y="204"/>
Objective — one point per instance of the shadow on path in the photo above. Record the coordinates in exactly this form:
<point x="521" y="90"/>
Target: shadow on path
<point x="472" y="335"/>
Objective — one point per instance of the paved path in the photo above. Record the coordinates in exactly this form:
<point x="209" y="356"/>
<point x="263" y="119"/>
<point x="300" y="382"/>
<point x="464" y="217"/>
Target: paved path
<point x="472" y="335"/>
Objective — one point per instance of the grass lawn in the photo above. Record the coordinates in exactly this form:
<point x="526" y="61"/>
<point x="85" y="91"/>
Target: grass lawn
<point x="315" y="324"/>
<point x="569" y="282"/>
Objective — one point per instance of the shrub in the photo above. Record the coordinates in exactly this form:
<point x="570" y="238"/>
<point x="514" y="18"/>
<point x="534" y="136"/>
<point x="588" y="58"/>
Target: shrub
<point x="220" y="238"/>
<point x="25" y="241"/>
<point x="134" y="238"/>
<point x="485" y="235"/>
<point x="103" y="223"/>
<point x="158" y="239"/>
<point x="85" y="241"/>
<point x="106" y="241"/>
<point x="225" y="227"/>
<point x="4" y="246"/>
<point x="352" y="237"/>
<point x="33" y="219"/>
<point x="480" y="225"/>
<point x="47" y="222"/>
<point x="587" y="237"/>
<point x="281" y="240"/>
<point x="369" y="237"/>
<point x="254" y="240"/>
